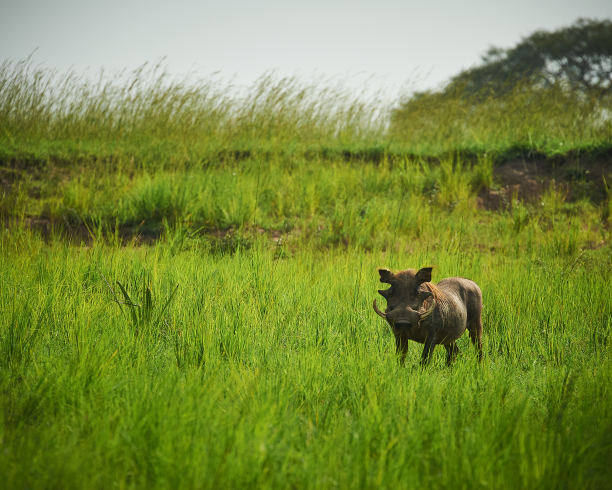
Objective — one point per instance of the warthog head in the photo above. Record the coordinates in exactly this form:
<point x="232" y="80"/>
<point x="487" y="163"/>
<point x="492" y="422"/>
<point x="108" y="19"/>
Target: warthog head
<point x="409" y="301"/>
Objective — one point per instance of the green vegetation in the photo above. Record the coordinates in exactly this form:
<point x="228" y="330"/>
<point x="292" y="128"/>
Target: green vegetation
<point x="187" y="281"/>
<point x="552" y="120"/>
<point x="146" y="119"/>
<point x="269" y="370"/>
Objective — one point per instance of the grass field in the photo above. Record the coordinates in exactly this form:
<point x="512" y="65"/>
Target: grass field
<point x="186" y="301"/>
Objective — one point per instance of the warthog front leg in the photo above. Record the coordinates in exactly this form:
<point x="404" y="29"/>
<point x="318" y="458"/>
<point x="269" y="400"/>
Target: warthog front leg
<point x="451" y="353"/>
<point x="401" y="348"/>
<point x="427" y="351"/>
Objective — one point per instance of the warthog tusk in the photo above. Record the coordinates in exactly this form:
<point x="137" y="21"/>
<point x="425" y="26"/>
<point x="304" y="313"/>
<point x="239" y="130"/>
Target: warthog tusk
<point x="378" y="312"/>
<point x="429" y="311"/>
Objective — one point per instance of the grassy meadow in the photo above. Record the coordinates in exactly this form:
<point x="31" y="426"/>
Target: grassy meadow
<point x="187" y="280"/>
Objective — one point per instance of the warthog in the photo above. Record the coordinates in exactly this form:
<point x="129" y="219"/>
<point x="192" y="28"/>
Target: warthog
<point x="431" y="314"/>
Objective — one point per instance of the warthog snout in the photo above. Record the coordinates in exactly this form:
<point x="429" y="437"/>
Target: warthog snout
<point x="402" y="324"/>
<point x="430" y="314"/>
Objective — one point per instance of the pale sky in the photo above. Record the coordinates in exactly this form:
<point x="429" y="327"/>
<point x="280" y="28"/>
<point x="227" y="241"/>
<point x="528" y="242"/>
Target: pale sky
<point x="386" y="44"/>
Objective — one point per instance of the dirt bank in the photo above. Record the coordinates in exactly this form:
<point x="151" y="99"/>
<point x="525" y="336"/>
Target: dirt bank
<point x="527" y="180"/>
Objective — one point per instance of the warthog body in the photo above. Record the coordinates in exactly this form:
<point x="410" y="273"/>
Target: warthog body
<point x="431" y="314"/>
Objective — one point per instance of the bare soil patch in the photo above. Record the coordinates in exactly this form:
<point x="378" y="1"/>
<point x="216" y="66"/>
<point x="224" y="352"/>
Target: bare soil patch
<point x="528" y="180"/>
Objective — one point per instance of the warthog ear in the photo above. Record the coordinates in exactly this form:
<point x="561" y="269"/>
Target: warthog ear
<point x="385" y="275"/>
<point x="423" y="275"/>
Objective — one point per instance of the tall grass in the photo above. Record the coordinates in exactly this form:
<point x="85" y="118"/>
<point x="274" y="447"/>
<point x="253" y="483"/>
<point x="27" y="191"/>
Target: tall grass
<point x="151" y="117"/>
<point x="147" y="114"/>
<point x="553" y="120"/>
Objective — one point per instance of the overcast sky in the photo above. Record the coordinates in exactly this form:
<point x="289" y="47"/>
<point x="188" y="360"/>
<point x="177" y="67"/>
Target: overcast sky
<point x="385" y="43"/>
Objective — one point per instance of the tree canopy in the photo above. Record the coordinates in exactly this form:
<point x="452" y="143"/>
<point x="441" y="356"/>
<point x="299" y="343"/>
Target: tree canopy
<point x="579" y="55"/>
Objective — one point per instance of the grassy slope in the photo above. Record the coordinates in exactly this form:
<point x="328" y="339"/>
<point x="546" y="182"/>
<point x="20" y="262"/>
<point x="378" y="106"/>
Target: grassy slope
<point x="268" y="366"/>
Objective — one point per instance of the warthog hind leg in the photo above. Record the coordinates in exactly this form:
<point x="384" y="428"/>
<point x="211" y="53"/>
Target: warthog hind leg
<point x="475" y="330"/>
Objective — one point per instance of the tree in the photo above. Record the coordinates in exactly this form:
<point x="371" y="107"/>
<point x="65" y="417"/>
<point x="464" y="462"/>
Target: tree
<point x="579" y="55"/>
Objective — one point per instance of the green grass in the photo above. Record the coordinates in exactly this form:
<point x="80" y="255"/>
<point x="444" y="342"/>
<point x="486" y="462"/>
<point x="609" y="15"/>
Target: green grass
<point x="187" y="279"/>
<point x="270" y="371"/>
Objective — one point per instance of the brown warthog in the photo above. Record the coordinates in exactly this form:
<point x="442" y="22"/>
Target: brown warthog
<point x="431" y="314"/>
